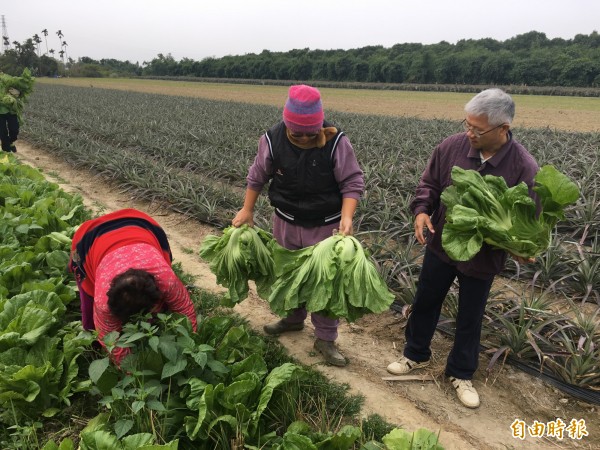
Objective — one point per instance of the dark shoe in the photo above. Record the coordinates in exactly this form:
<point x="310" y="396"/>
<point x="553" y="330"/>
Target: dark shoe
<point x="330" y="353"/>
<point x="13" y="148"/>
<point x="282" y="327"/>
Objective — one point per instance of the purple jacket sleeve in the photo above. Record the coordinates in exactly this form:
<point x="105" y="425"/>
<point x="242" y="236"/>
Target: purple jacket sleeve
<point x="429" y="190"/>
<point x="346" y="170"/>
<point x="260" y="171"/>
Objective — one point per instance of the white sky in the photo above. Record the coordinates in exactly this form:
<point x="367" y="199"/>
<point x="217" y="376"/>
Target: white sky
<point x="138" y="30"/>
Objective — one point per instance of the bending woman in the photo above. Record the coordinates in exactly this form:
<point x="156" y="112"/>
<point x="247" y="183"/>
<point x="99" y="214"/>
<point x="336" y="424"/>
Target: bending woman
<point x="122" y="265"/>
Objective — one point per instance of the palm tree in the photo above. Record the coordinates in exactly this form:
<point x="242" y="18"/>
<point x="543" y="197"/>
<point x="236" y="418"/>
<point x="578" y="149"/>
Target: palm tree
<point x="45" y="33"/>
<point x="60" y="36"/>
<point x="64" y="47"/>
<point x="37" y="41"/>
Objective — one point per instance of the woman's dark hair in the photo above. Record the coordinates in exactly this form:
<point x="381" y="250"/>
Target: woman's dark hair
<point x="132" y="292"/>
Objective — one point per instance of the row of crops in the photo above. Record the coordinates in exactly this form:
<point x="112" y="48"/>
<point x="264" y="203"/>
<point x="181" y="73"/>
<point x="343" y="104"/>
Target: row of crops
<point x="193" y="154"/>
<point x="223" y="387"/>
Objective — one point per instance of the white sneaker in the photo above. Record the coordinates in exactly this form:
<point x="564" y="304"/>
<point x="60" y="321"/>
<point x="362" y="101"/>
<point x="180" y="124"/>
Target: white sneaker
<point x="467" y="394"/>
<point x="405" y="365"/>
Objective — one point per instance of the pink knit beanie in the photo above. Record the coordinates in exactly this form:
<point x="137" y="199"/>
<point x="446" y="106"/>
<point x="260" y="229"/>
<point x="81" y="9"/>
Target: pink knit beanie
<point x="303" y="110"/>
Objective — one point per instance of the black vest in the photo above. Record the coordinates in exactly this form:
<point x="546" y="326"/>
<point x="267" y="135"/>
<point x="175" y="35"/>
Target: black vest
<point x="303" y="189"/>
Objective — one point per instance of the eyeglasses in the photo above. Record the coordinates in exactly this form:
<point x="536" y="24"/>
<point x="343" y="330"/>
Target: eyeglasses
<point x="475" y="132"/>
<point x="301" y="135"/>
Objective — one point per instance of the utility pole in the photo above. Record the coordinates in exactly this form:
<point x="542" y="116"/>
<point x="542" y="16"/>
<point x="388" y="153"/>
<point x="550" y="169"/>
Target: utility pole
<point x="5" y="38"/>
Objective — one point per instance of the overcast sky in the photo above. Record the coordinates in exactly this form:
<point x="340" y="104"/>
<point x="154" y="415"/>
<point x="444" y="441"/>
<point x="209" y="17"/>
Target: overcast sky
<point x="138" y="30"/>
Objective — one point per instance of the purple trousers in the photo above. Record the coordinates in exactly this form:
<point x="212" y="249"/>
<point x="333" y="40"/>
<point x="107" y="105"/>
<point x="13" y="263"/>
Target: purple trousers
<point x="87" y="309"/>
<point x="294" y="237"/>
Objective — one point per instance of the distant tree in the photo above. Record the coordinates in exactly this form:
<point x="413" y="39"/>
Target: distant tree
<point x="527" y="41"/>
<point x="37" y="41"/>
<point x="360" y="71"/>
<point x="580" y="72"/>
<point x="448" y="69"/>
<point x="497" y="68"/>
<point x="64" y="47"/>
<point x="13" y="61"/>
<point x="302" y="68"/>
<point x="45" y="33"/>
<point x="533" y="70"/>
<point x="591" y="41"/>
<point x="421" y="69"/>
<point x="395" y="71"/>
<point x="60" y="35"/>
<point x="376" y="69"/>
<point x="343" y="67"/>
<point x="48" y="66"/>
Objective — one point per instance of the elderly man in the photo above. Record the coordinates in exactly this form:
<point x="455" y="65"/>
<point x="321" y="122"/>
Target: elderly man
<point x="488" y="146"/>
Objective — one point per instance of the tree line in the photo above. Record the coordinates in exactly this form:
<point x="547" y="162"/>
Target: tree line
<point x="527" y="59"/>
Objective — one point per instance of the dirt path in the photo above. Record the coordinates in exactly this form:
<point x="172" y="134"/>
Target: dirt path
<point x="370" y="345"/>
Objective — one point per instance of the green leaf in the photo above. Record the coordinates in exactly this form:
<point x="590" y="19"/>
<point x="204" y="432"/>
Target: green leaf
<point x="99" y="440"/>
<point x="171" y="368"/>
<point x="153" y="343"/>
<point x="138" y="441"/>
<point x="97" y="368"/>
<point x="50" y="412"/>
<point x="155" y="405"/>
<point x="122" y="427"/>
<point x="137" y="406"/>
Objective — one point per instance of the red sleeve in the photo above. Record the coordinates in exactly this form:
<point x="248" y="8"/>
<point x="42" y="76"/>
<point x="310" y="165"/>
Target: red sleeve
<point x="105" y="322"/>
<point x="178" y="299"/>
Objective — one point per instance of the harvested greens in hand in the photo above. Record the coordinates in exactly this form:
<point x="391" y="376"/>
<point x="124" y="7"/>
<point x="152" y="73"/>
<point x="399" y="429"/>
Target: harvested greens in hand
<point x="239" y="255"/>
<point x="484" y="209"/>
<point x="334" y="277"/>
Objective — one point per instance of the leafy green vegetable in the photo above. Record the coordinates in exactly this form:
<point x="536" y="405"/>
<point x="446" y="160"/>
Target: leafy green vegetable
<point x="422" y="438"/>
<point x="240" y="254"/>
<point x="484" y="209"/>
<point x="334" y="277"/>
<point x="14" y="92"/>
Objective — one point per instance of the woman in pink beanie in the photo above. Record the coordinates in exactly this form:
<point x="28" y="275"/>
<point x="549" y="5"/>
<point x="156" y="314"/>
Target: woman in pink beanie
<point x="315" y="185"/>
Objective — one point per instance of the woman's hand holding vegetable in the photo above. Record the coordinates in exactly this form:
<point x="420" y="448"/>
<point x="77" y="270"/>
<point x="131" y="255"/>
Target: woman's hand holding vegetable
<point x="422" y="220"/>
<point x="348" y="209"/>
<point x="243" y="216"/>
<point x="346" y="228"/>
<point x="246" y="214"/>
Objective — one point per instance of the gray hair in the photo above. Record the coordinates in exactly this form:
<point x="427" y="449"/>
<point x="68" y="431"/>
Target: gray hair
<point x="494" y="103"/>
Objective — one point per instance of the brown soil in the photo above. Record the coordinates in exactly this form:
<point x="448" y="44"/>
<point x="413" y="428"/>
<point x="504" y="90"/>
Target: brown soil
<point x="370" y="345"/>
